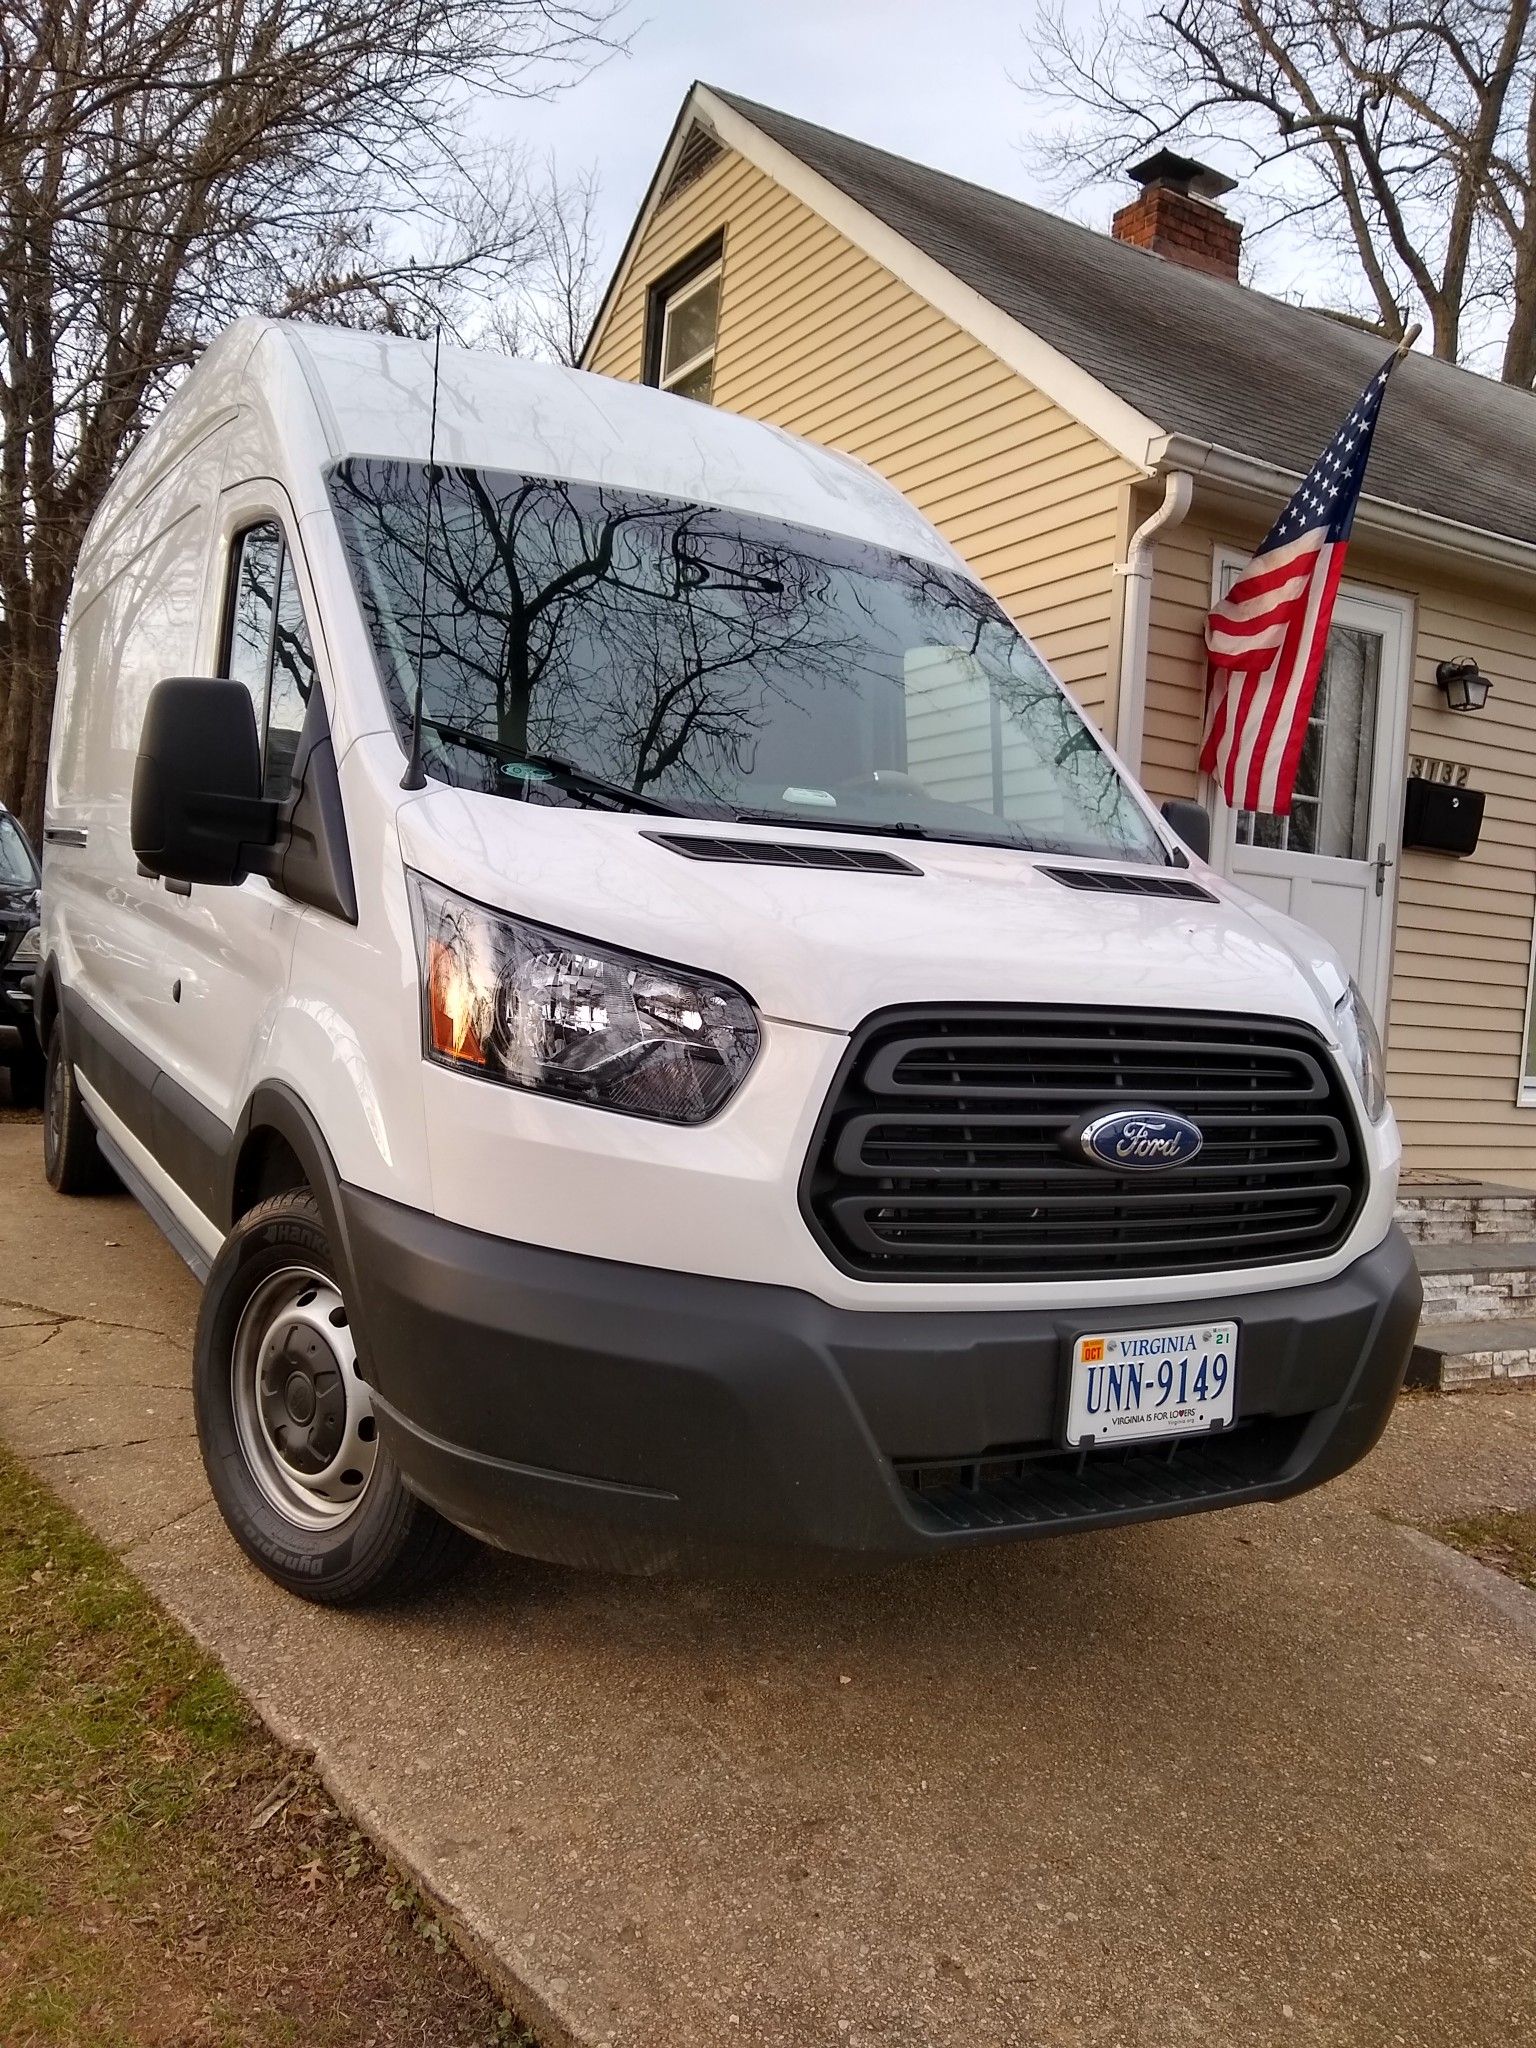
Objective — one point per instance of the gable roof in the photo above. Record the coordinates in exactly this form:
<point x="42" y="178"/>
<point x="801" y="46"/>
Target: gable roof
<point x="1216" y="362"/>
<point x="1207" y="362"/>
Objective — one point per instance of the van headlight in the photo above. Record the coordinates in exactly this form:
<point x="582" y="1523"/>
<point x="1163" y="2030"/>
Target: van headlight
<point x="29" y="947"/>
<point x="533" y="1008"/>
<point x="1360" y="1043"/>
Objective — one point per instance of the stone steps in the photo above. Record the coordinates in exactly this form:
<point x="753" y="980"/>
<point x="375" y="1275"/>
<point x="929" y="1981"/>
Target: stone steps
<point x="1468" y="1352"/>
<point x="1475" y="1243"/>
<point x="1451" y="1212"/>
<point x="1478" y="1279"/>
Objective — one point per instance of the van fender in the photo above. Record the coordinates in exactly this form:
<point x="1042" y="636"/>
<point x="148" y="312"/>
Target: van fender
<point x="277" y="1109"/>
<point x="47" y="999"/>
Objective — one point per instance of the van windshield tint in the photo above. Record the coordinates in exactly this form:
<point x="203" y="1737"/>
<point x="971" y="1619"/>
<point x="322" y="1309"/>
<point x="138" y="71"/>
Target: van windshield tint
<point x="715" y="663"/>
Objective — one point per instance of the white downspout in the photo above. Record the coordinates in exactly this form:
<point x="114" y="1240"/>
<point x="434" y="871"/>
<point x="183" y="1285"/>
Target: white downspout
<point x="1136" y="616"/>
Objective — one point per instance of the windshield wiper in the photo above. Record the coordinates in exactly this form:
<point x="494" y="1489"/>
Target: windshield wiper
<point x="552" y="768"/>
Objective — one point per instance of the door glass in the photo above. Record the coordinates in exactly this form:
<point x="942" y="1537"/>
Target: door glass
<point x="1330" y="807"/>
<point x="270" y="649"/>
<point x="293" y="675"/>
<point x="250" y="619"/>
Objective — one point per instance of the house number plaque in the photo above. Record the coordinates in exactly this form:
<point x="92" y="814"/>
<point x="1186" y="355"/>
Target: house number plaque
<point x="1430" y="770"/>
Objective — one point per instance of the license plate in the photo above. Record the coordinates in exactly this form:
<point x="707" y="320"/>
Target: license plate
<point x="1132" y="1384"/>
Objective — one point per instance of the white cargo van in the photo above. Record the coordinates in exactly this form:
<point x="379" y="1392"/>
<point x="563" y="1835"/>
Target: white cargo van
<point x="660" y="1027"/>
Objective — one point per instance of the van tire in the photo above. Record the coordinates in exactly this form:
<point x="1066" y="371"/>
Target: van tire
<point x="72" y="1161"/>
<point x="390" y="1544"/>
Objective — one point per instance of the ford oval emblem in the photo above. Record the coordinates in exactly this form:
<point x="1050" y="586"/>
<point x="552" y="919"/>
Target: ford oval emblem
<point x="1140" y="1140"/>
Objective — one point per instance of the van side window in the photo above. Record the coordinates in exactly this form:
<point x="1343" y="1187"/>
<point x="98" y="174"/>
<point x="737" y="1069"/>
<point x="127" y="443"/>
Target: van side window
<point x="293" y="677"/>
<point x="258" y="554"/>
<point x="268" y="647"/>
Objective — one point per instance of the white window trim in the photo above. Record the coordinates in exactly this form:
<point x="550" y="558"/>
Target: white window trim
<point x="1525" y="1086"/>
<point x="669" y="380"/>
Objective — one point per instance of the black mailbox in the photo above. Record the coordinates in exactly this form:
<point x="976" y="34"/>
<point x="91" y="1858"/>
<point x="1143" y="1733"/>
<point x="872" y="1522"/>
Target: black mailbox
<point x="1440" y="818"/>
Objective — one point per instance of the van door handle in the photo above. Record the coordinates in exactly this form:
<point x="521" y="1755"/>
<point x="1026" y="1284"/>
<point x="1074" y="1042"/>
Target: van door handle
<point x="63" y="835"/>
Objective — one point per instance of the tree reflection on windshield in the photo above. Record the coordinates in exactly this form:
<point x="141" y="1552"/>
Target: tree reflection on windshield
<point x="716" y="662"/>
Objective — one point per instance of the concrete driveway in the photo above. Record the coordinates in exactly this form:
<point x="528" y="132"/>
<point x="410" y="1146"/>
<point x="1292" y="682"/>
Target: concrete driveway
<point x="1257" y="1777"/>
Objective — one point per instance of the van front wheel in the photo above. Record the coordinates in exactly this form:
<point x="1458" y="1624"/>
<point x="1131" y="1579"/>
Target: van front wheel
<point x="287" y="1429"/>
<point x="72" y="1161"/>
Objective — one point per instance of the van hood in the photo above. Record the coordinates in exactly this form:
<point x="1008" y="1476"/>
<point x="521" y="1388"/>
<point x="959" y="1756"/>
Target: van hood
<point x="826" y="948"/>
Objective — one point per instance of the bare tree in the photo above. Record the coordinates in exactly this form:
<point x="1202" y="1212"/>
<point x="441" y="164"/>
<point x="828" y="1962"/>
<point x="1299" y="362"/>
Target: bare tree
<point x="1402" y="132"/>
<point x="168" y="165"/>
<point x="551" y="309"/>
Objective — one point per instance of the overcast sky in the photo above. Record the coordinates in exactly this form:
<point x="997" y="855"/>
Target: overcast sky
<point x="941" y="81"/>
<point x="928" y="79"/>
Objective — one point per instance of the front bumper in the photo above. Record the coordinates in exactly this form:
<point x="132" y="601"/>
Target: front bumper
<point x="593" y="1412"/>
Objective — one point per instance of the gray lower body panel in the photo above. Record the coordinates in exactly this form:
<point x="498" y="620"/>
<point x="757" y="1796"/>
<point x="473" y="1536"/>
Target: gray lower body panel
<point x="596" y="1412"/>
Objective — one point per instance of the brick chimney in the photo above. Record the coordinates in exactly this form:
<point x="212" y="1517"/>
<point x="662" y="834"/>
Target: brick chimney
<point x="1176" y="215"/>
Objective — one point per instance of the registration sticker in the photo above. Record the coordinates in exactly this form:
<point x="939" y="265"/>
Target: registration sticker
<point x="1130" y="1385"/>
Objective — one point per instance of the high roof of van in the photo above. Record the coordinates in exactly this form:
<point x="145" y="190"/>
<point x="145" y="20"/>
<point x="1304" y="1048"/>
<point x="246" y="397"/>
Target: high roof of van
<point x="371" y="395"/>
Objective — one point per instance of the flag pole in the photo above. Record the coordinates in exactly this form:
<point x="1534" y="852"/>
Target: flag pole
<point x="1408" y="340"/>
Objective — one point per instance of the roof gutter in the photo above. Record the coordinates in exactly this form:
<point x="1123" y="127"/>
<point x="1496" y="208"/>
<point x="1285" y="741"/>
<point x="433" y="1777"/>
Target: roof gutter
<point x="1380" y="516"/>
<point x="1136" y="616"/>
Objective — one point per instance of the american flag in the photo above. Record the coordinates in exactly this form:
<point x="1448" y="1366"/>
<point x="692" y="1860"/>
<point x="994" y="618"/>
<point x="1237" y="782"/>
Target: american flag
<point x="1267" y="637"/>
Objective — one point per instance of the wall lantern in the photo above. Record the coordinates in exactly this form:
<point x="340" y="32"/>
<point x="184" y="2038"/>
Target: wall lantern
<point x="1466" y="687"/>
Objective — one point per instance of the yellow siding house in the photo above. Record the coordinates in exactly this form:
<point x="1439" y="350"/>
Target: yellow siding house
<point x="1104" y="425"/>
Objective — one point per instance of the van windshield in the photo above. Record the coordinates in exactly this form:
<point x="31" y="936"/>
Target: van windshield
<point x="715" y="663"/>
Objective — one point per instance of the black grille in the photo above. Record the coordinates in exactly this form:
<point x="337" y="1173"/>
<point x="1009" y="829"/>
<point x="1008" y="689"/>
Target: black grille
<point x="944" y="1152"/>
<point x="1154" y="882"/>
<point x="1014" y="1489"/>
<point x="782" y="853"/>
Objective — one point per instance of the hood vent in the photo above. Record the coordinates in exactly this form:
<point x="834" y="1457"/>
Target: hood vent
<point x="1097" y="883"/>
<point x="782" y="853"/>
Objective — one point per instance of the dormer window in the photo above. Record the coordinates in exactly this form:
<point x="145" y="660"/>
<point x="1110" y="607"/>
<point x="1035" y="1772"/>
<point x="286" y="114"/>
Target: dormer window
<point x="684" y="323"/>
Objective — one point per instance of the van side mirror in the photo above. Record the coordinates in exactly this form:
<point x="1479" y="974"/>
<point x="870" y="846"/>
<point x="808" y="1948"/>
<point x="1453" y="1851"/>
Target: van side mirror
<point x="1192" y="822"/>
<point x="198" y="814"/>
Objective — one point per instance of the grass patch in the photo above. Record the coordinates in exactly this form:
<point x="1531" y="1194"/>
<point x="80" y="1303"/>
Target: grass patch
<point x="1506" y="1541"/>
<point x="169" y="1876"/>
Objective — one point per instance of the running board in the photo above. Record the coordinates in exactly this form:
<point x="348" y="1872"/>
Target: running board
<point x="179" y="1239"/>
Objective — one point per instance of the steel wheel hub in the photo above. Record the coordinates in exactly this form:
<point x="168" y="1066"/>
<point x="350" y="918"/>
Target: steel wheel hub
<point x="53" y="1109"/>
<point x="302" y="1414"/>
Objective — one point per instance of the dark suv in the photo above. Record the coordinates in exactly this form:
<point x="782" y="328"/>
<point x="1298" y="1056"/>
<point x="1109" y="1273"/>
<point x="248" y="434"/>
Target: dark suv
<point x="19" y="885"/>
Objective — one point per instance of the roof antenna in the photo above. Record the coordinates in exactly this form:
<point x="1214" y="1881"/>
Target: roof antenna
<point x="415" y="775"/>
